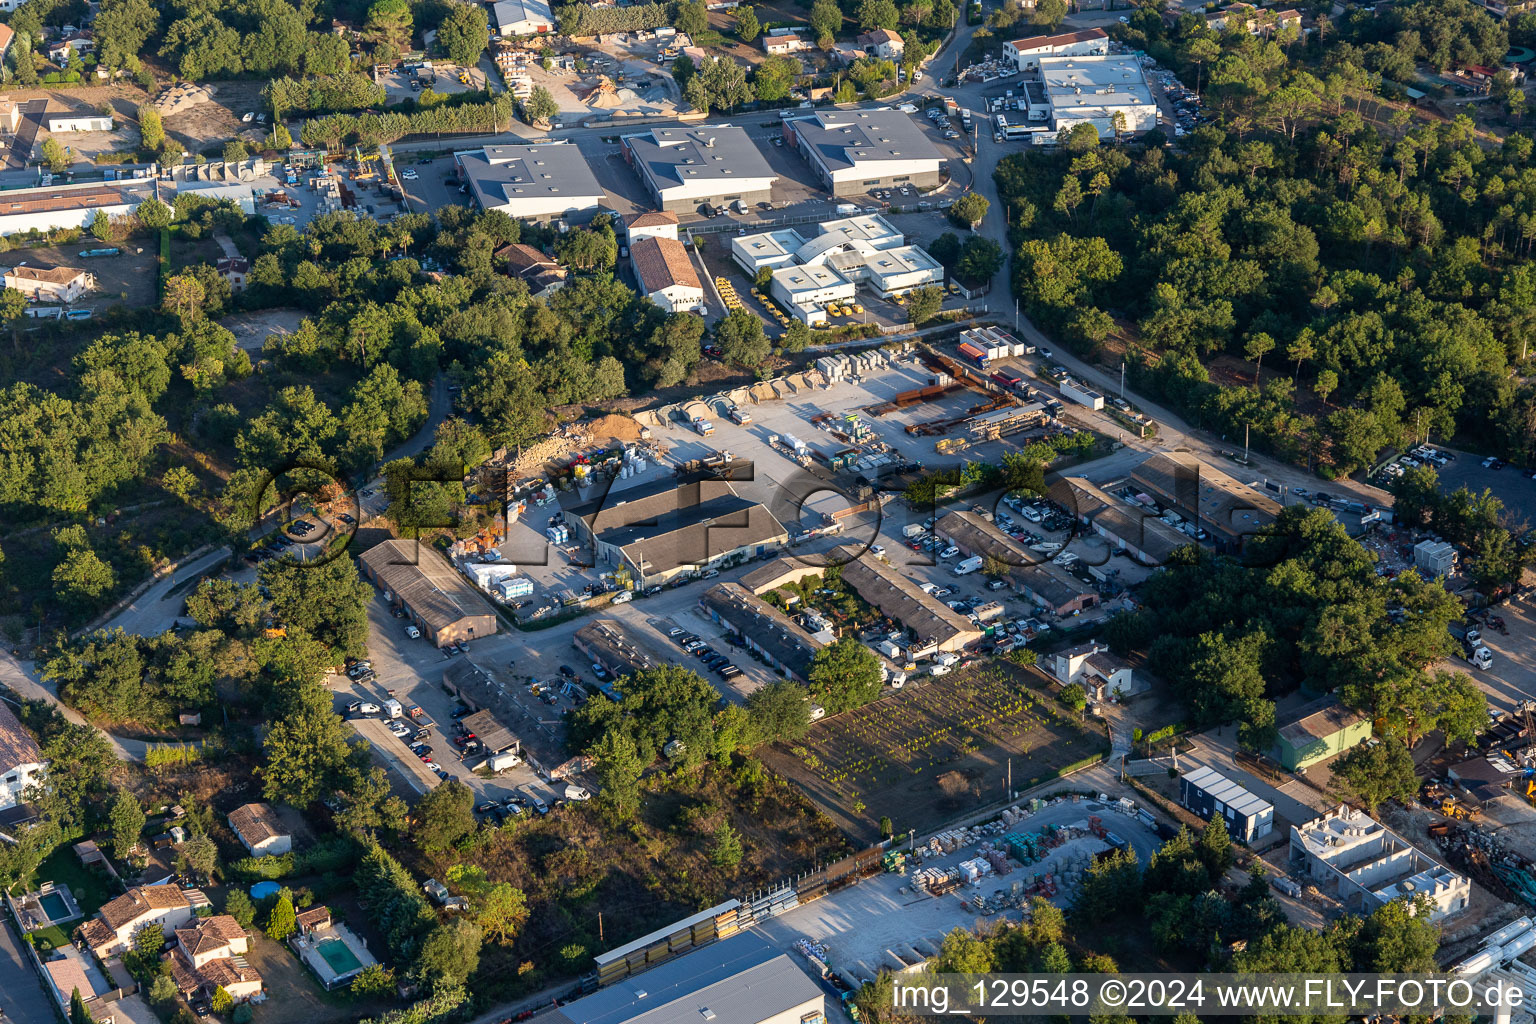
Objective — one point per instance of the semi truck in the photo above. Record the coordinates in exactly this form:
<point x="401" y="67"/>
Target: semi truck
<point x="968" y="566"/>
<point x="974" y="354"/>
<point x="739" y="416"/>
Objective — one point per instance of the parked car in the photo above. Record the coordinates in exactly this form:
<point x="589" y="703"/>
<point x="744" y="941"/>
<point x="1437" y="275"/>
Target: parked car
<point x="367" y="708"/>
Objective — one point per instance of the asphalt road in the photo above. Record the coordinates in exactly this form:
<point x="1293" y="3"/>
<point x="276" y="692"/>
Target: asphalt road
<point x="22" y="999"/>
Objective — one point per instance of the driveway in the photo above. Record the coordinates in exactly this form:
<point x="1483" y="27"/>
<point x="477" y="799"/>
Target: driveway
<point x="157" y="609"/>
<point x="22" y="998"/>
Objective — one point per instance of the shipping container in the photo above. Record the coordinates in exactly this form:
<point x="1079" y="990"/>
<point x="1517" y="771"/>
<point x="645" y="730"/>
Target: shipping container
<point x="974" y="354"/>
<point x="1081" y="394"/>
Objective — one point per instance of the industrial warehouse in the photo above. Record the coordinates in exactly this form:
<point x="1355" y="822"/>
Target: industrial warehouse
<point x="853" y="151"/>
<point x="534" y="183"/>
<point x="686" y="167"/>
<point x="436" y="597"/>
<point x="666" y="527"/>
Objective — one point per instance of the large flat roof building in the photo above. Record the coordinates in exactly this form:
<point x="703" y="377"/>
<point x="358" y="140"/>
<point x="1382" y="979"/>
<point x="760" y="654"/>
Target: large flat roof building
<point x="805" y="290"/>
<point x="522" y="18"/>
<point x="1203" y="494"/>
<point x="894" y="594"/>
<point x="685" y="167"/>
<point x="430" y="590"/>
<point x="540" y="182"/>
<point x="739" y="980"/>
<point x="608" y="645"/>
<point x="1367" y="864"/>
<point x="853" y="151"/>
<point x="766" y="249"/>
<point x="1093" y="89"/>
<point x="668" y="527"/>
<point x="61" y="205"/>
<point x="763" y="628"/>
<point x="1125" y="527"/>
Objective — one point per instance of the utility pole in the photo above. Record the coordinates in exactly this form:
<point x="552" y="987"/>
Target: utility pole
<point x="1122" y="379"/>
<point x="1245" y="443"/>
<point x="1015" y="316"/>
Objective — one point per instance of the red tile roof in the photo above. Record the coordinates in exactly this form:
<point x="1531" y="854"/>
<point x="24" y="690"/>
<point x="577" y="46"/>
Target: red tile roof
<point x="1065" y="39"/>
<point x="661" y="263"/>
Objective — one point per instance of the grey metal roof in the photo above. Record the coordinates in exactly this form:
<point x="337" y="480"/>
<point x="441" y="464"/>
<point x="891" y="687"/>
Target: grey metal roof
<point x="1219" y="787"/>
<point x="722" y="153"/>
<point x="505" y="174"/>
<point x="844" y="139"/>
<point x="736" y="980"/>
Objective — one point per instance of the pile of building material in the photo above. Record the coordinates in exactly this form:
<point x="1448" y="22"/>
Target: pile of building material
<point x="854" y="364"/>
<point x="182" y="96"/>
<point x="936" y="881"/>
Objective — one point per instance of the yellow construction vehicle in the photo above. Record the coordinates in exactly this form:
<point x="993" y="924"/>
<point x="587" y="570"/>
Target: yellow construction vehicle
<point x="1451" y="808"/>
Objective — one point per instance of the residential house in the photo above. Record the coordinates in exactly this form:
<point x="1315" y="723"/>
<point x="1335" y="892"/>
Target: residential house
<point x="666" y="274"/>
<point x="21" y="760"/>
<point x="167" y="906"/>
<point x="260" y="829"/>
<point x="7" y="36"/>
<point x="882" y="42"/>
<point x="210" y="954"/>
<point x="236" y="270"/>
<point x="1096" y="670"/>
<point x="50" y="284"/>
<point x="539" y="272"/>
<point x="70" y="46"/>
<point x="10" y="110"/>
<point x="650" y="224"/>
<point x="68" y="973"/>
<point x="783" y="42"/>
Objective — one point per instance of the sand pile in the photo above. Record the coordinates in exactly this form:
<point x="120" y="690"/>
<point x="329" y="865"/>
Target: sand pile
<point x="182" y="96"/>
<point x="604" y="95"/>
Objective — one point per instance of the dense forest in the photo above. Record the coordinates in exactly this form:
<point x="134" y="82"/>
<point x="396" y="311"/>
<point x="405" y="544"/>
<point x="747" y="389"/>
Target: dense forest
<point x="1370" y="268"/>
<point x="1303" y="607"/>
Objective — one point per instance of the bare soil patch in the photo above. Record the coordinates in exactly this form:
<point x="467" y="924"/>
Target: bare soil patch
<point x="929" y="752"/>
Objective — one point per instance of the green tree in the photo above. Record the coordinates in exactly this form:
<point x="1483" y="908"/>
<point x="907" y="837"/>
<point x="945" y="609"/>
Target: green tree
<point x="162" y="991"/>
<point x="826" y="22"/>
<point x="153" y="214"/>
<point x="281" y="921"/>
<point x="389" y="23"/>
<point x="964" y="952"/>
<point x="54" y="157"/>
<point x="540" y="106"/>
<point x="875" y="14"/>
<point x="101" y="226"/>
<point x="1049" y="13"/>
<point x="239" y="906"/>
<point x="692" y="18"/>
<point x="1374" y="773"/>
<point x="619" y="768"/>
<point x="78" y="1014"/>
<point x="444" y="816"/>
<point x="741" y="339"/>
<point x="450" y="954"/>
<point x="923" y="304"/>
<point x="747" y="26"/>
<point x="198" y="855"/>
<point x="844" y="675"/>
<point x="779" y="711"/>
<point x="979" y="259"/>
<point x="305" y="754"/>
<point x="969" y="210"/>
<point x="464" y="33"/>
<point x="502" y="912"/>
<point x="373" y="981"/>
<point x="1074" y="696"/>
<point x="725" y="847"/>
<point x="127" y="821"/>
<point x="1215" y="849"/>
<point x="151" y="130"/>
<point x="82" y="580"/>
<point x="279" y="138"/>
<point x="221" y="1002"/>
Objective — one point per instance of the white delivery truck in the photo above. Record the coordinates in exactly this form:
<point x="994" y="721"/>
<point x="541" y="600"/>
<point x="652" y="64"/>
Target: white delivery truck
<point x="968" y="566"/>
<point x="911" y="530"/>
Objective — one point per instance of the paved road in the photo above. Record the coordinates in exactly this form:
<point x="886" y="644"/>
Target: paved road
<point x="22" y="678"/>
<point x="22" y="999"/>
<point x="158" y="608"/>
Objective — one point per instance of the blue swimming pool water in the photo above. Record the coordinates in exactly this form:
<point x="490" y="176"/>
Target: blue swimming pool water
<point x="54" y="906"/>
<point x="261" y="890"/>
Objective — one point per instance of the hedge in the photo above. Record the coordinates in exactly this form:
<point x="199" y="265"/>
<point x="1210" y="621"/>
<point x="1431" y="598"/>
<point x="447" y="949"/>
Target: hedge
<point x="582" y="20"/>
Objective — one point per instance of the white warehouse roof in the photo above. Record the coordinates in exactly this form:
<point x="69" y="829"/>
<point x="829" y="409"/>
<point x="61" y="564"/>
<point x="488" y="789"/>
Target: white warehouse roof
<point x="795" y="280"/>
<point x="1219" y="787"/>
<point x="1093" y="82"/>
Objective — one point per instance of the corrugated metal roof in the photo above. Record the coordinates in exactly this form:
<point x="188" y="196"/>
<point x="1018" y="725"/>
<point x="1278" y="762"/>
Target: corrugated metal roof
<point x="1219" y="787"/>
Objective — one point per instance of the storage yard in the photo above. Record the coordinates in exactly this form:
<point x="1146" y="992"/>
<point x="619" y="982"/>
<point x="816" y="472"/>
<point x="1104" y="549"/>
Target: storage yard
<point x="927" y="752"/>
<point x="894" y="920"/>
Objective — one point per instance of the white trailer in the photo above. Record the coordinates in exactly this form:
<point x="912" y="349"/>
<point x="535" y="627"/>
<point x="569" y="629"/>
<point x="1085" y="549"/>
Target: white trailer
<point x="1081" y="394"/>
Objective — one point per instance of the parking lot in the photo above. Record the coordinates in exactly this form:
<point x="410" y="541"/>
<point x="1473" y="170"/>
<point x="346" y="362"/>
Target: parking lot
<point x="446" y="79"/>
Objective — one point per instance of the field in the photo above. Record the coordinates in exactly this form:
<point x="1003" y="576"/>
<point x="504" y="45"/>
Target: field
<point x="926" y="754"/>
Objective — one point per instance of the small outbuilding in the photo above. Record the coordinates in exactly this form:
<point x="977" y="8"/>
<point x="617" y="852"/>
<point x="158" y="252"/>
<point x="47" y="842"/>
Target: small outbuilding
<point x="1210" y="794"/>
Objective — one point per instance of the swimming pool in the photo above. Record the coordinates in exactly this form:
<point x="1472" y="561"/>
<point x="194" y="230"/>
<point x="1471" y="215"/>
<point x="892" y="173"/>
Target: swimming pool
<point x="339" y="955"/>
<point x="261" y="890"/>
<point x="54" y="906"/>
